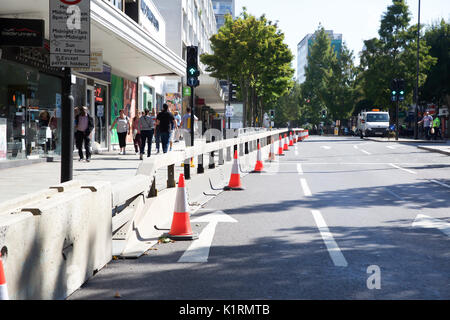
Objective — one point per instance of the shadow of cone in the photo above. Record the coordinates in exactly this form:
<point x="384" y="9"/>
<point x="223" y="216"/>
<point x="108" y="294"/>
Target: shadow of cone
<point x="3" y="287"/>
<point x="235" y="179"/>
<point x="259" y="164"/>
<point x="181" y="224"/>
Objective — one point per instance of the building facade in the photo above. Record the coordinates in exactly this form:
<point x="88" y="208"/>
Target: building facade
<point x="221" y="8"/>
<point x="130" y="40"/>
<point x="304" y="46"/>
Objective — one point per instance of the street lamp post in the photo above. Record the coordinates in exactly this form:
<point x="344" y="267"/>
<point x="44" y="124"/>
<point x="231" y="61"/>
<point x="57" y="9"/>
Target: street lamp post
<point x="416" y="125"/>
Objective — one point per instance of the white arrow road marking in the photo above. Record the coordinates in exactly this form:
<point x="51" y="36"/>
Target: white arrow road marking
<point x="306" y="190"/>
<point x="332" y="247"/>
<point x="423" y="221"/>
<point x="410" y="171"/>
<point x="299" y="168"/>
<point x="198" y="252"/>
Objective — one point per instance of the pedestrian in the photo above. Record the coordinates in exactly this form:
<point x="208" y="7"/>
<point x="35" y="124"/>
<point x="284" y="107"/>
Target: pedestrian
<point x="136" y="133"/>
<point x="84" y="124"/>
<point x="164" y="121"/>
<point x="157" y="135"/>
<point x="147" y="127"/>
<point x="437" y="128"/>
<point x="172" y="131"/>
<point x="427" y="121"/>
<point x="177" y="131"/>
<point x="123" y="128"/>
<point x="186" y="125"/>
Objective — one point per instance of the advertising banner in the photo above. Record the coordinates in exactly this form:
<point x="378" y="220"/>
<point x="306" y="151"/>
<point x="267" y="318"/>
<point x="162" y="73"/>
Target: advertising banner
<point x="22" y="32"/>
<point x="70" y="27"/>
<point x="116" y="103"/>
<point x="129" y="102"/>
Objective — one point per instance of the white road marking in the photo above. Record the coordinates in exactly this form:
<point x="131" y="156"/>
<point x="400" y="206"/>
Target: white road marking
<point x="306" y="190"/>
<point x="296" y="150"/>
<point x="423" y="221"/>
<point x="366" y="152"/>
<point x="326" y="147"/>
<point x="397" y="167"/>
<point x="299" y="168"/>
<point x="355" y="146"/>
<point x="332" y="247"/>
<point x="391" y="147"/>
<point x="198" y="252"/>
<point x="441" y="183"/>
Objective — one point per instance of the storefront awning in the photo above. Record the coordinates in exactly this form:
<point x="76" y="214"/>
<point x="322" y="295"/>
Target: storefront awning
<point x="126" y="47"/>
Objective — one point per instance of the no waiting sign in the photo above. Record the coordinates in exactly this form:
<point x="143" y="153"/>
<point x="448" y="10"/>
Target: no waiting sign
<point x="70" y="28"/>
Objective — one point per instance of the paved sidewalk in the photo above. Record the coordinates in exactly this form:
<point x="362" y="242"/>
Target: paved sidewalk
<point x="107" y="166"/>
<point x="440" y="146"/>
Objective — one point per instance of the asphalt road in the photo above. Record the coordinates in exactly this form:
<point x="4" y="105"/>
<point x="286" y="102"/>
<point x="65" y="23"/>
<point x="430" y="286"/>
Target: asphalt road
<point x="335" y="218"/>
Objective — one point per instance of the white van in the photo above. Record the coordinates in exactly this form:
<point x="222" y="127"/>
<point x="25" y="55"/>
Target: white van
<point x="373" y="123"/>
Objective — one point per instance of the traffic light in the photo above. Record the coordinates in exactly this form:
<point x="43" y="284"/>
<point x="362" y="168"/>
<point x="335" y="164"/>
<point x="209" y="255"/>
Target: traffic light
<point x="192" y="71"/>
<point x="324" y="113"/>
<point x="231" y="91"/>
<point x="397" y="90"/>
<point x="272" y="114"/>
<point x="401" y="89"/>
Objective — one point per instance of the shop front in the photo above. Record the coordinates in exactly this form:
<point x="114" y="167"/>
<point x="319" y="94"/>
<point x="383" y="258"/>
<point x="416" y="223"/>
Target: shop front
<point x="30" y="104"/>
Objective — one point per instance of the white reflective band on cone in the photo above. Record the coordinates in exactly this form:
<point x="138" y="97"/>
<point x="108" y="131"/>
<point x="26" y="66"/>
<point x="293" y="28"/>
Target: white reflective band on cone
<point x="4" y="292"/>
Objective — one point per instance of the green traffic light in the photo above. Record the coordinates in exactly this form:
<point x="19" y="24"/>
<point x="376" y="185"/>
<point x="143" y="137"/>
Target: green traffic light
<point x="394" y="93"/>
<point x="192" y="71"/>
<point x="402" y="92"/>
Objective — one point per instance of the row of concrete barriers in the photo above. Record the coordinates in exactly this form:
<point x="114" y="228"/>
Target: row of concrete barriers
<point x="54" y="240"/>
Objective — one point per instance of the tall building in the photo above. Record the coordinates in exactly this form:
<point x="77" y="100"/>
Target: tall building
<point x="221" y="8"/>
<point x="304" y="46"/>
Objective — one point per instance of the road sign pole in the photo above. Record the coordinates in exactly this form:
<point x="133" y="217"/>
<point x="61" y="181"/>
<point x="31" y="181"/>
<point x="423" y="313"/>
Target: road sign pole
<point x="396" y="120"/>
<point x="67" y="129"/>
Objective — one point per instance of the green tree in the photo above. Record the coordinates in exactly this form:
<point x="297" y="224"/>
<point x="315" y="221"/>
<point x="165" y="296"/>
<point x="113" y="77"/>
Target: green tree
<point x="393" y="55"/>
<point x="318" y="74"/>
<point x="250" y="51"/>
<point x="437" y="86"/>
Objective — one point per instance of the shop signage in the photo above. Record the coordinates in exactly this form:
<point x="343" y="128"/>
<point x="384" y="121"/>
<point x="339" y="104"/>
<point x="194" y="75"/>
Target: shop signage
<point x="148" y="14"/>
<point x="21" y="32"/>
<point x="70" y="28"/>
<point x="96" y="60"/>
<point x="186" y="91"/>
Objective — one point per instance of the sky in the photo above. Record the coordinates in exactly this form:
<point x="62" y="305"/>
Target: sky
<point x="357" y="20"/>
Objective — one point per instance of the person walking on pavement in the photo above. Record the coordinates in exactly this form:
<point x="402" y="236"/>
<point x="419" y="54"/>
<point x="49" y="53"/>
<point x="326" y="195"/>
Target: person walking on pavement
<point x="147" y="127"/>
<point x="136" y="132"/>
<point x="427" y="121"/>
<point x="157" y="135"/>
<point x="437" y="128"/>
<point x="123" y="128"/>
<point x="177" y="131"/>
<point x="84" y="124"/>
<point x="186" y="125"/>
<point x="164" y="121"/>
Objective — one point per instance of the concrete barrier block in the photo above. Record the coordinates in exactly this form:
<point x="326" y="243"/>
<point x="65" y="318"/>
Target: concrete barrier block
<point x="16" y="204"/>
<point x="52" y="254"/>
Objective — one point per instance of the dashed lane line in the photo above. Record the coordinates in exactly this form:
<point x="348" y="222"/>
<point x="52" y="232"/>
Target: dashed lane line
<point x="333" y="249"/>
<point x="400" y="168"/>
<point x="305" y="187"/>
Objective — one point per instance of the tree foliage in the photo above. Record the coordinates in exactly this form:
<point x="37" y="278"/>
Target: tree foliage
<point x="251" y="52"/>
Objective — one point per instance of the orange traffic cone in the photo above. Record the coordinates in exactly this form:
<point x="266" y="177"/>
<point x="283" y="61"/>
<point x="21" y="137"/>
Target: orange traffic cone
<point x="3" y="287"/>
<point x="291" y="141"/>
<point x="285" y="146"/>
<point x="181" y="224"/>
<point x="259" y="164"/>
<point x="235" y="179"/>
<point x="295" y="137"/>
<point x="272" y="151"/>
<point x="280" y="148"/>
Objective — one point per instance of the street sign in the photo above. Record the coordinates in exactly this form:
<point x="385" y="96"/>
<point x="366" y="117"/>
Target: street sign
<point x="186" y="91"/>
<point x="70" y="27"/>
<point x="229" y="112"/>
